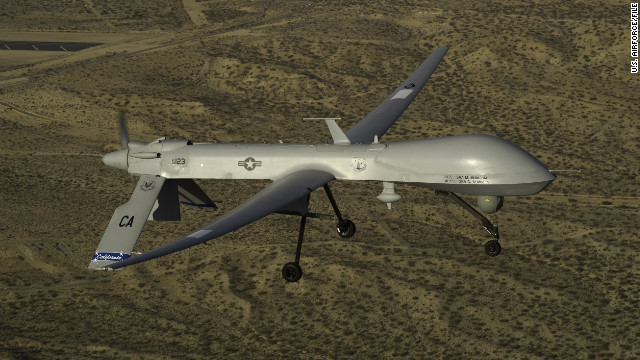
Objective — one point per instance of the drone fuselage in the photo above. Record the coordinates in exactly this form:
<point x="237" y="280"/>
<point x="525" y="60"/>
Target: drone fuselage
<point x="469" y="164"/>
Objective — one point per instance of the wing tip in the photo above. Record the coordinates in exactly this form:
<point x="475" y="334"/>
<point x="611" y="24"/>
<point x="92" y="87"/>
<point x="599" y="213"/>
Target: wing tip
<point x="104" y="260"/>
<point x="442" y="49"/>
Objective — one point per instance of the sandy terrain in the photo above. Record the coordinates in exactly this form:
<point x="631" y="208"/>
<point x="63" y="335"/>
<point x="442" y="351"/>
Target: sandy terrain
<point x="413" y="282"/>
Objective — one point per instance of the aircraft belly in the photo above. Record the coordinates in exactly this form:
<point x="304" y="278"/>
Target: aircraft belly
<point x="488" y="189"/>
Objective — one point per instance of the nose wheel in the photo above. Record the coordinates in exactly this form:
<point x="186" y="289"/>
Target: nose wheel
<point x="492" y="248"/>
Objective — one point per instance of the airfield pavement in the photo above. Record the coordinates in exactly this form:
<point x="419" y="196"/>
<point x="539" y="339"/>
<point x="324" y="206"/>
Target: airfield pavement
<point x="414" y="282"/>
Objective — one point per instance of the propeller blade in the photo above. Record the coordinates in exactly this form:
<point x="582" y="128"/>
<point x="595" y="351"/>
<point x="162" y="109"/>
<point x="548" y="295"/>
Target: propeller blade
<point x="124" y="132"/>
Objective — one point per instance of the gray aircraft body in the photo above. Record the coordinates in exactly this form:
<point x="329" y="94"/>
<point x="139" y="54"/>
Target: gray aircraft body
<point x="482" y="165"/>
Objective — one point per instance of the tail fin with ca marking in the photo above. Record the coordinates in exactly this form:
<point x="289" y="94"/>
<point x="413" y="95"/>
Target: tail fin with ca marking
<point x="127" y="222"/>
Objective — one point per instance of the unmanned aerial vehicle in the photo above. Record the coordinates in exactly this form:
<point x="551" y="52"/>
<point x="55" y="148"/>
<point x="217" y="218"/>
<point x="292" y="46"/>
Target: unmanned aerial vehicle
<point x="482" y="165"/>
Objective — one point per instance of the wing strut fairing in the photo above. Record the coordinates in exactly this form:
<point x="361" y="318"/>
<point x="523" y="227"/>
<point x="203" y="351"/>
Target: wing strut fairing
<point x="377" y="122"/>
<point x="275" y="196"/>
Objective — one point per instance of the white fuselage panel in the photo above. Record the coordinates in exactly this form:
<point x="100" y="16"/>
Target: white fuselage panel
<point x="472" y="164"/>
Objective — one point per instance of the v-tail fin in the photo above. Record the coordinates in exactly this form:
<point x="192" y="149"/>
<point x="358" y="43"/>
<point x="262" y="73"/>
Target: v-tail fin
<point x="126" y="223"/>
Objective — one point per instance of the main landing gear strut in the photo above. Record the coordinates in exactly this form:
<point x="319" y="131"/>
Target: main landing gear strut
<point x="492" y="247"/>
<point x="292" y="271"/>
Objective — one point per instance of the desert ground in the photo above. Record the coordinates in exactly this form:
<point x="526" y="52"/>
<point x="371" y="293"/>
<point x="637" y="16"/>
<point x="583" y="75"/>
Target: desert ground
<point x="414" y="282"/>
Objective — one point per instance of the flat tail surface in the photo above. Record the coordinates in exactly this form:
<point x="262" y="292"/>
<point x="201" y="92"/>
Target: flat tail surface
<point x="166" y="207"/>
<point x="126" y="223"/>
<point x="382" y="117"/>
<point x="275" y="196"/>
<point x="192" y="195"/>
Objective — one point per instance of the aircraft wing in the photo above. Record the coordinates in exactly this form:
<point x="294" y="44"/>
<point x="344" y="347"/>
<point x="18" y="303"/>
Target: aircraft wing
<point x="275" y="196"/>
<point x="381" y="118"/>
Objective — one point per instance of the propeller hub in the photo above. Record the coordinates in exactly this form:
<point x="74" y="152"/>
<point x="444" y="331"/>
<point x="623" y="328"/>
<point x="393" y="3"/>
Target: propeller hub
<point x="117" y="159"/>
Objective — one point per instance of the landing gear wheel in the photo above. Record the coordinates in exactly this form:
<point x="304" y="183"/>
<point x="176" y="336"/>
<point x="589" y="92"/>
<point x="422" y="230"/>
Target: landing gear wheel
<point x="346" y="228"/>
<point x="291" y="272"/>
<point x="492" y="248"/>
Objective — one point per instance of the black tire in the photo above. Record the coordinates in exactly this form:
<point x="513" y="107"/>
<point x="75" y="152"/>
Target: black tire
<point x="492" y="248"/>
<point x="291" y="272"/>
<point x="346" y="228"/>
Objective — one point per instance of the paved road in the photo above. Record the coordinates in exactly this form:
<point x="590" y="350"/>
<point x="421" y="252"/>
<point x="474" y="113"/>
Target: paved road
<point x="45" y="45"/>
<point x="201" y="36"/>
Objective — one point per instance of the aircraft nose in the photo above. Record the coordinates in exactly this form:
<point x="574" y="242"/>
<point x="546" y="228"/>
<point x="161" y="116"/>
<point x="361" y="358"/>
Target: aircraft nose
<point x="117" y="159"/>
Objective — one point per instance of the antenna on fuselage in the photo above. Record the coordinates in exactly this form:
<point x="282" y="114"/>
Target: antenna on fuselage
<point x="339" y="138"/>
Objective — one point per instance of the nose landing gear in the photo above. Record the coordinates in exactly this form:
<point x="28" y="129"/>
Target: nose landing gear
<point x="492" y="247"/>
